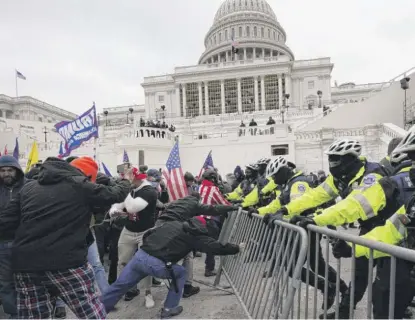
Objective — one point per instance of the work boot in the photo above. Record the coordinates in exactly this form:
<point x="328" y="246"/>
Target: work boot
<point x="189" y="290"/>
<point x="131" y="294"/>
<point x="344" y="308"/>
<point x="157" y="283"/>
<point x="60" y="313"/>
<point x="210" y="273"/>
<point x="168" y="313"/>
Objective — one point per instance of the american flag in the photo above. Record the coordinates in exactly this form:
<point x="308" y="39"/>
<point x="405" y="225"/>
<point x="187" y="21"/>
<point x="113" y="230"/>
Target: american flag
<point x="125" y="158"/>
<point x="207" y="165"/>
<point x="5" y="150"/>
<point x="173" y="175"/>
<point x="20" y="75"/>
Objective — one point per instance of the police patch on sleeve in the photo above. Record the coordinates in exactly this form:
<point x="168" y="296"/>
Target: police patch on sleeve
<point x="301" y="188"/>
<point x="369" y="180"/>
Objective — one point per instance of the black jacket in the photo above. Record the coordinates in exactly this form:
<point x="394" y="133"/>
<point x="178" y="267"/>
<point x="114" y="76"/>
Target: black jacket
<point x="8" y="192"/>
<point x="51" y="217"/>
<point x="190" y="206"/>
<point x="173" y="240"/>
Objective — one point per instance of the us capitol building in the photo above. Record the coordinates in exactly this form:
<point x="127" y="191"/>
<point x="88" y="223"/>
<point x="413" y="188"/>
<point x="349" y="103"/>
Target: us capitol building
<point x="246" y="72"/>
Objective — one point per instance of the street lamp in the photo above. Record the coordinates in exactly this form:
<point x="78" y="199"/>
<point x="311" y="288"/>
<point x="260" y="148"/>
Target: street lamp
<point x="131" y="110"/>
<point x="45" y="131"/>
<point x="106" y="116"/>
<point x="320" y="94"/>
<point x="284" y="106"/>
<point x="404" y="87"/>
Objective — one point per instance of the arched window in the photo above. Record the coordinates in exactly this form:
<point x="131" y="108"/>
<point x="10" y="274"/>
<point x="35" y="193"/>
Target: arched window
<point x="214" y="40"/>
<point x="275" y="36"/>
<point x="262" y="32"/>
<point x="248" y="33"/>
<point x="226" y="34"/>
<point x="220" y="37"/>
<point x="240" y="32"/>
<point x="255" y="32"/>
<point x="269" y="34"/>
<point x="233" y="32"/>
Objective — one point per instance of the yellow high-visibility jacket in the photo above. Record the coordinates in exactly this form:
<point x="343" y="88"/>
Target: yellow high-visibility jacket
<point x="251" y="199"/>
<point x="295" y="190"/>
<point x="360" y="204"/>
<point x="328" y="191"/>
<point x="269" y="187"/>
<point x="393" y="232"/>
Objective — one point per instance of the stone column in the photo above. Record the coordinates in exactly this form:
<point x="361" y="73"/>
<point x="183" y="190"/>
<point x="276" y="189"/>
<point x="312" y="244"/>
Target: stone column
<point x="256" y="93"/>
<point x="239" y="96"/>
<point x="227" y="56"/>
<point x="280" y="90"/>
<point x="254" y="53"/>
<point x="288" y="88"/>
<point x="184" y="100"/>
<point x="147" y="106"/>
<point x="222" y="95"/>
<point x="245" y="54"/>
<point x="300" y="90"/>
<point x="177" y="101"/>
<point x="262" y="93"/>
<point x="207" y="98"/>
<point x="200" y="99"/>
<point x="263" y="53"/>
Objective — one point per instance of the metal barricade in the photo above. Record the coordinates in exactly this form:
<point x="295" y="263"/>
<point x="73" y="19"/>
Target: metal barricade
<point x="266" y="275"/>
<point x="390" y="294"/>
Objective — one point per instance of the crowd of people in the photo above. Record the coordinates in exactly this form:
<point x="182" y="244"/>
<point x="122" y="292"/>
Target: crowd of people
<point x="58" y="221"/>
<point x="157" y="124"/>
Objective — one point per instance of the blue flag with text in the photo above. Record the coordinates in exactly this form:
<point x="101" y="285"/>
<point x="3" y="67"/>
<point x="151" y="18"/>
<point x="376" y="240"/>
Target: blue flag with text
<point x="78" y="131"/>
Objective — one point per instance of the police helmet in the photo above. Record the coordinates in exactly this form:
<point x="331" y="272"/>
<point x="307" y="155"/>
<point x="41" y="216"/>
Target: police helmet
<point x="252" y="166"/>
<point x="275" y="165"/>
<point x="407" y="144"/>
<point x="345" y="147"/>
<point x="263" y="161"/>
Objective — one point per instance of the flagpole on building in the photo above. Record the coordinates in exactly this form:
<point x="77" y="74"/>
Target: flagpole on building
<point x="15" y="75"/>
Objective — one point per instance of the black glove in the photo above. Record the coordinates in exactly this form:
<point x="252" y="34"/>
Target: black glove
<point x="274" y="217"/>
<point x="266" y="218"/>
<point x="302" y="222"/>
<point x="251" y="211"/>
<point x="342" y="250"/>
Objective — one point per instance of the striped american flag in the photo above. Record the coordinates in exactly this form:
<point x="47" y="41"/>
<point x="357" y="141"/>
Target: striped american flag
<point x="173" y="175"/>
<point x="207" y="165"/>
<point x="210" y="194"/>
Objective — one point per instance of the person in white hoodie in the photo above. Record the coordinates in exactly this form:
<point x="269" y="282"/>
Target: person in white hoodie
<point x="140" y="207"/>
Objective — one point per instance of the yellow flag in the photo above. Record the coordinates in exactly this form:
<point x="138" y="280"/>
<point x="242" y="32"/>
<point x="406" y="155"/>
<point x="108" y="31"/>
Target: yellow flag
<point x="33" y="157"/>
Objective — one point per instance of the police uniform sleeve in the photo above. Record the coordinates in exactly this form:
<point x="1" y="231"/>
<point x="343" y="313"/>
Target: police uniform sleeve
<point x="393" y="232"/>
<point x="235" y="195"/>
<point x="271" y="208"/>
<point x="313" y="198"/>
<point x="251" y="198"/>
<point x="362" y="203"/>
<point x="269" y="187"/>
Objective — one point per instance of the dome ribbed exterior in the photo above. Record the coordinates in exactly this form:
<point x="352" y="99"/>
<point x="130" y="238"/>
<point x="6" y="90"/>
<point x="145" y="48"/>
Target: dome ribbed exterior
<point x="252" y="24"/>
<point x="233" y="6"/>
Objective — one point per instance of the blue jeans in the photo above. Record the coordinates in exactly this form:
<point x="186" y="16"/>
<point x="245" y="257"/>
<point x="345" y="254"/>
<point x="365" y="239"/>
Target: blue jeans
<point x="7" y="289"/>
<point x="139" y="267"/>
<point x="99" y="271"/>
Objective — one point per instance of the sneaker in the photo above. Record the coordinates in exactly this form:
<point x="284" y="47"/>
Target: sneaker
<point x="210" y="273"/>
<point x="168" y="313"/>
<point x="189" y="290"/>
<point x="149" y="301"/>
<point x="60" y="313"/>
<point x="157" y="283"/>
<point x="130" y="295"/>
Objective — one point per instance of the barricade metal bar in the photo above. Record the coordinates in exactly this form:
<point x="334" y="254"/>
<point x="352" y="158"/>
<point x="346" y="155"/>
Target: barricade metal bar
<point x="370" y="286"/>
<point x="326" y="279"/>
<point x="352" y="281"/>
<point x="338" y="271"/>
<point x="392" y="287"/>
<point x="317" y="252"/>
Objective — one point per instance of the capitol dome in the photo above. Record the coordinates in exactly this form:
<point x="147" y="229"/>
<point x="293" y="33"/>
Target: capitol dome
<point x="254" y="27"/>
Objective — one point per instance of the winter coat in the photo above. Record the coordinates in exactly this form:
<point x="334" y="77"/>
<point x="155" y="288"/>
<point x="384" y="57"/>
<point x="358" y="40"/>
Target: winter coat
<point x="188" y="207"/>
<point x="51" y="216"/>
<point x="8" y="192"/>
<point x="173" y="240"/>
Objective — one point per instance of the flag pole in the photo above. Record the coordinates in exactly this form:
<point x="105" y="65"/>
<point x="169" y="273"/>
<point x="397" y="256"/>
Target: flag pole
<point x="15" y="75"/>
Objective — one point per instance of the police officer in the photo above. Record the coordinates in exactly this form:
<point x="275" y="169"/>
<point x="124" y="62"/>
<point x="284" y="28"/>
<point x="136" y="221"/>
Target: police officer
<point x="349" y="175"/>
<point x="247" y="191"/>
<point x="371" y="209"/>
<point x="295" y="184"/>
<point x="389" y="166"/>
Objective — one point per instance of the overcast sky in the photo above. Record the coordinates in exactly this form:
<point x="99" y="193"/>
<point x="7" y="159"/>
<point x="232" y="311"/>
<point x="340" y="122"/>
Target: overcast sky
<point x="74" y="52"/>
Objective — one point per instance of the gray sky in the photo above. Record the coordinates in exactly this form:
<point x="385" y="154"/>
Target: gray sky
<point x="74" y="52"/>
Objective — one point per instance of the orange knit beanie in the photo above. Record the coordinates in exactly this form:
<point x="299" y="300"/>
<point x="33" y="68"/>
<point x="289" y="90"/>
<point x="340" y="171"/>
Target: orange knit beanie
<point x="88" y="167"/>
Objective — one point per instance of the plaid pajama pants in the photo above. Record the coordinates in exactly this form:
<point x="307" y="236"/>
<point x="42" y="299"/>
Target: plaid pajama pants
<point x="37" y="293"/>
